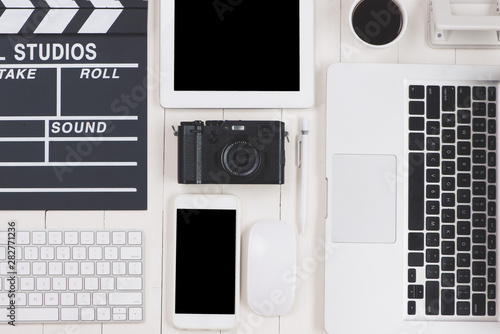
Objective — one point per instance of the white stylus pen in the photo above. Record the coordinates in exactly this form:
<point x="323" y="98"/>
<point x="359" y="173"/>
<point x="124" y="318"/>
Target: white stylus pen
<point x="303" y="172"/>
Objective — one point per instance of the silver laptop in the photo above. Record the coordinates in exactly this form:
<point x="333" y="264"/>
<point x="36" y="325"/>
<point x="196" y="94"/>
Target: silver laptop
<point x="412" y="227"/>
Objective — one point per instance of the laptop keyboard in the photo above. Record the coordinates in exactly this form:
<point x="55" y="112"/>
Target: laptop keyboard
<point x="71" y="276"/>
<point x="452" y="201"/>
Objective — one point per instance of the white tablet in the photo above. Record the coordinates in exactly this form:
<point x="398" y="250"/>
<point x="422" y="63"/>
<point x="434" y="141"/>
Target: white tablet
<point x="237" y="54"/>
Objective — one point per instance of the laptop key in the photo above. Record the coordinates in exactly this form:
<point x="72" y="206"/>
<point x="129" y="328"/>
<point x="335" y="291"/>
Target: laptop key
<point x="416" y="192"/>
<point x="447" y="302"/>
<point x="432" y="297"/>
<point x="479" y="109"/>
<point x="492" y="94"/>
<point x="463" y="308"/>
<point x="478" y="304"/>
<point x="448" y="100"/>
<point x="412" y="275"/>
<point x="433" y="103"/>
<point x="463" y="97"/>
<point x="412" y="309"/>
<point x="491" y="308"/>
<point x="431" y="271"/>
<point x="415" y="259"/>
<point x="416" y="92"/>
<point x="479" y="93"/>
<point x="416" y="141"/>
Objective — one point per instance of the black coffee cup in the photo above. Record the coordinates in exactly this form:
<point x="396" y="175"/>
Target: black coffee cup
<point x="378" y="23"/>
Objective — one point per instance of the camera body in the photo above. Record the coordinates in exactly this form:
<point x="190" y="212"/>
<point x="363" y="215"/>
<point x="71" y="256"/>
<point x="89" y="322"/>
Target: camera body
<point x="231" y="152"/>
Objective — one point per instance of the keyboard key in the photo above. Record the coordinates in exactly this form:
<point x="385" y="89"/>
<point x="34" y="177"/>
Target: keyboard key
<point x="492" y="241"/>
<point x="492" y="225"/>
<point x="492" y="175"/>
<point x="448" y="120"/>
<point x="432" y="255"/>
<point x="492" y="126"/>
<point x="479" y="220"/>
<point x="447" y="302"/>
<point x="491" y="291"/>
<point x="492" y="258"/>
<point x="69" y="314"/>
<point x="416" y="92"/>
<point x="479" y="172"/>
<point x="448" y="151"/>
<point x="448" y="280"/>
<point x="492" y="275"/>
<point x="463" y="244"/>
<point x="448" y="183"/>
<point x="433" y="143"/>
<point x="433" y="102"/>
<point x="432" y="239"/>
<point x="134" y="283"/>
<point x="478" y="252"/>
<point x="492" y="94"/>
<point x="416" y="108"/>
<point x="478" y="304"/>
<point x="135" y="313"/>
<point x="479" y="125"/>
<point x="432" y="191"/>
<point x="492" y="192"/>
<point x="492" y="110"/>
<point x="463" y="292"/>
<point x="431" y="271"/>
<point x="463" y="148"/>
<point x="463" y="260"/>
<point x="415" y="291"/>
<point x="479" y="156"/>
<point x="463" y="275"/>
<point x="448" y="264"/>
<point x="479" y="109"/>
<point x="432" y="297"/>
<point x="479" y="236"/>
<point x="491" y="308"/>
<point x="432" y="223"/>
<point x="416" y="124"/>
<point x="463" y="212"/>
<point x="134" y="298"/>
<point x="478" y="284"/>
<point x="448" y="136"/>
<point x="412" y="275"/>
<point x="463" y="132"/>
<point x="448" y="100"/>
<point x="432" y="207"/>
<point x="131" y="253"/>
<point x="479" y="93"/>
<point x="415" y="259"/>
<point x="415" y="241"/>
<point x="463" y="116"/>
<point x="416" y="141"/>
<point x="478" y="268"/>
<point x="103" y="314"/>
<point x="55" y="238"/>
<point x="463" y="97"/>
<point x="479" y="140"/>
<point x="433" y="128"/>
<point x="411" y="307"/>
<point x="416" y="192"/>
<point x="463" y="228"/>
<point x="448" y="247"/>
<point x="463" y="308"/>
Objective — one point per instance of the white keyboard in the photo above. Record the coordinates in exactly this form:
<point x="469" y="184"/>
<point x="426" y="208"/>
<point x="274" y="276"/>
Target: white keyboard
<point x="72" y="276"/>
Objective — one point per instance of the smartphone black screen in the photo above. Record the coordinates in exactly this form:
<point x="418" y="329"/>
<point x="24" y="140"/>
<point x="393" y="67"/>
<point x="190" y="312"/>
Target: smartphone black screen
<point x="237" y="45"/>
<point x="205" y="262"/>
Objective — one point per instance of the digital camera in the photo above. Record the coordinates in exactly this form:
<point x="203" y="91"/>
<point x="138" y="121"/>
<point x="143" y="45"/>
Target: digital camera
<point x="231" y="152"/>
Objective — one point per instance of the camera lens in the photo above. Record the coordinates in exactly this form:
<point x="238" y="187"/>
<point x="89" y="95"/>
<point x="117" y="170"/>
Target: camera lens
<point x="240" y="158"/>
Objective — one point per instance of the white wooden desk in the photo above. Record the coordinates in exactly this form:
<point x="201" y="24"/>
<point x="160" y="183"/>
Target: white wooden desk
<point x="333" y="43"/>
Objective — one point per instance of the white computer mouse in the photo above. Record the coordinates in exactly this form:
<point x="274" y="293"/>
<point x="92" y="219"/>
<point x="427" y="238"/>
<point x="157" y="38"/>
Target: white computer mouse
<point x="272" y="257"/>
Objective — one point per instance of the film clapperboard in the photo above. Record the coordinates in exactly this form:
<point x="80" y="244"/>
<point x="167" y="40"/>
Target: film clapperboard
<point x="73" y="105"/>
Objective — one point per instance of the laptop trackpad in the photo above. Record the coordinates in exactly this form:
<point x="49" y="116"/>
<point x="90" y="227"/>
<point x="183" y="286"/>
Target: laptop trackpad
<point x="364" y="198"/>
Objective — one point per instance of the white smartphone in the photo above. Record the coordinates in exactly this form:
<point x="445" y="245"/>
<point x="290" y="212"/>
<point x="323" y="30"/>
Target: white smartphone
<point x="207" y="262"/>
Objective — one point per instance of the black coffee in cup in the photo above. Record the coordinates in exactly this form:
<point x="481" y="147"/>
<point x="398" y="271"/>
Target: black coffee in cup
<point x="377" y="22"/>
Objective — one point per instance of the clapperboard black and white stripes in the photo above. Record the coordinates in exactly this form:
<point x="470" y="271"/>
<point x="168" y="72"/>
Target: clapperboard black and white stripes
<point x="73" y="105"/>
<point x="70" y="16"/>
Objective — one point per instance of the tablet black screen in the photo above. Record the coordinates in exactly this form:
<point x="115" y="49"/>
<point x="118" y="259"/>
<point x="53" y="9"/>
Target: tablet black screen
<point x="237" y="45"/>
